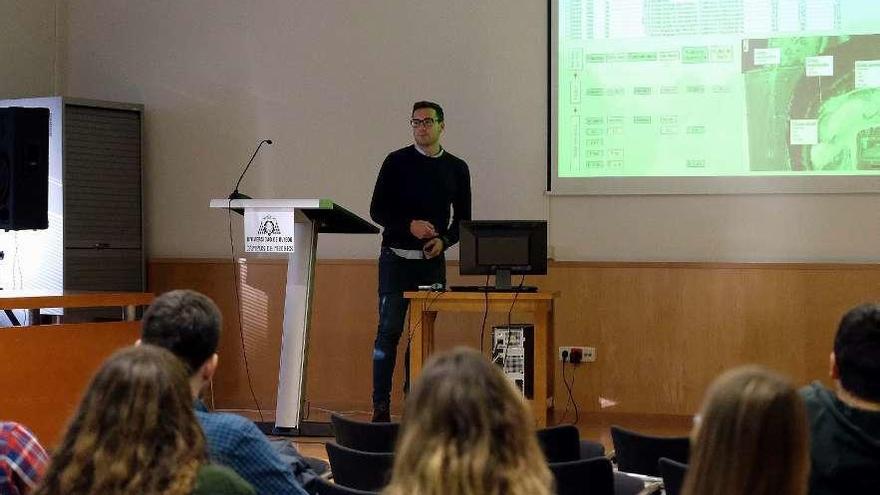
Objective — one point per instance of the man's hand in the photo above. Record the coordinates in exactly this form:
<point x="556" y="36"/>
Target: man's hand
<point x="433" y="248"/>
<point x="422" y="229"/>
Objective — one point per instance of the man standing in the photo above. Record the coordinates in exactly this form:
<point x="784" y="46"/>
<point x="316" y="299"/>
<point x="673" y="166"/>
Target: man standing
<point x="411" y="201"/>
<point x="845" y="421"/>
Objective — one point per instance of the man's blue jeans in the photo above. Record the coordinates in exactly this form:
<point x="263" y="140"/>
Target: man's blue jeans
<point x="397" y="275"/>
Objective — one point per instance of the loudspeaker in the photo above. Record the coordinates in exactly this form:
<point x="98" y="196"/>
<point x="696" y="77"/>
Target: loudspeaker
<point x="24" y="168"/>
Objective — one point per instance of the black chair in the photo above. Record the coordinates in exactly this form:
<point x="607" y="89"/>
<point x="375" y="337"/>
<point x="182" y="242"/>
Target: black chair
<point x="594" y="476"/>
<point x="358" y="469"/>
<point x="324" y="487"/>
<point x="673" y="473"/>
<point x="563" y="444"/>
<point x="560" y="443"/>
<point x="590" y="449"/>
<point x="638" y="453"/>
<point x="364" y="436"/>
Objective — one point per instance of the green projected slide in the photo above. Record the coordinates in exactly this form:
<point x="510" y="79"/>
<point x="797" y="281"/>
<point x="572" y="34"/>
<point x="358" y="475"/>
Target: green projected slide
<point x="707" y="88"/>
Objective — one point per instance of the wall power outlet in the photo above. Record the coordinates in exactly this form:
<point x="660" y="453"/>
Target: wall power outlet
<point x="577" y="354"/>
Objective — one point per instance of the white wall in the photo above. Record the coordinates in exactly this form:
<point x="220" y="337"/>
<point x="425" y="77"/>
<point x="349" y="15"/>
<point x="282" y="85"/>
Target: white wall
<point x="790" y="227"/>
<point x="27" y="48"/>
<point x="331" y="82"/>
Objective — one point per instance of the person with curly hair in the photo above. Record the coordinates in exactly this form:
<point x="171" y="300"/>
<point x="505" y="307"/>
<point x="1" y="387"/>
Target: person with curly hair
<point x="135" y="431"/>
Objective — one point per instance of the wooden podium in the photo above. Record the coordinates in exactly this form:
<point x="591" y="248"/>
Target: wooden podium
<point x="311" y="217"/>
<point x="425" y="305"/>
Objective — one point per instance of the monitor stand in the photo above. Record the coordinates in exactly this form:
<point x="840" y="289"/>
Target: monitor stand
<point x="502" y="283"/>
<point x="502" y="279"/>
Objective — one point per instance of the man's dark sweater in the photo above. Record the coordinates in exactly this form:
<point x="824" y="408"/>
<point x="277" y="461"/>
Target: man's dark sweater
<point x="845" y="445"/>
<point x="412" y="186"/>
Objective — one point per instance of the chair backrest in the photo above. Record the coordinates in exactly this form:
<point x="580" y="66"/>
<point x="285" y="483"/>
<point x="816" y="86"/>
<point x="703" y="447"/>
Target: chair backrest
<point x="323" y="487"/>
<point x="673" y="473"/>
<point x="560" y="443"/>
<point x="594" y="476"/>
<point x="638" y="453"/>
<point x="361" y="435"/>
<point x="358" y="469"/>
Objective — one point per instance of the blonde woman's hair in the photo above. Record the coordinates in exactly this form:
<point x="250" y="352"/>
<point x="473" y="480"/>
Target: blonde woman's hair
<point x="751" y="437"/>
<point x="135" y="431"/>
<point x="467" y="431"/>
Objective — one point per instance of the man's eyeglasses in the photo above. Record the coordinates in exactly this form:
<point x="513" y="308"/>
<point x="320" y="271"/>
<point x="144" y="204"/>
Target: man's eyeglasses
<point x="429" y="122"/>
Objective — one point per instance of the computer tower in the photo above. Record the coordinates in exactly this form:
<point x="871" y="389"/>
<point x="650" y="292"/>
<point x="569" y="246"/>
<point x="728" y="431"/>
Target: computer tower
<point x="513" y="348"/>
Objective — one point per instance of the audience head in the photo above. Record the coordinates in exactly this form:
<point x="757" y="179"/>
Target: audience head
<point x="134" y="431"/>
<point x="466" y="430"/>
<point x="186" y="323"/>
<point x="751" y="437"/>
<point x="856" y="357"/>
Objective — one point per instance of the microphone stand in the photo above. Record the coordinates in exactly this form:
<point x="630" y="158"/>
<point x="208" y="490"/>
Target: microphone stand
<point x="237" y="195"/>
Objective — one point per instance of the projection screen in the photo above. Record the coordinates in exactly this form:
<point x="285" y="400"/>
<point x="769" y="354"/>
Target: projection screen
<point x="714" y="96"/>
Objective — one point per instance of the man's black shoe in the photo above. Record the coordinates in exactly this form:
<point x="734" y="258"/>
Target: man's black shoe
<point x="382" y="412"/>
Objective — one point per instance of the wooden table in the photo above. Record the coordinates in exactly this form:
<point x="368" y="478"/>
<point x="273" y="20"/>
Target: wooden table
<point x="425" y="305"/>
<point x="46" y="368"/>
<point x="34" y="301"/>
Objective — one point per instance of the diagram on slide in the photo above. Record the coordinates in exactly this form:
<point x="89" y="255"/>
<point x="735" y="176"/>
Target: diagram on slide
<point x="813" y="103"/>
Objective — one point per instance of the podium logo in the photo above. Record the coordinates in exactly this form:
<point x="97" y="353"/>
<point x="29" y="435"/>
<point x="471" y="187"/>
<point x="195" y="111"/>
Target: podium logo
<point x="269" y="226"/>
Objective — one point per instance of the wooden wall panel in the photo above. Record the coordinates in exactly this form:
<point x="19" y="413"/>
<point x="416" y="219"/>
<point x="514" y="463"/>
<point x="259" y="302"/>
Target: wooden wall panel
<point x="45" y="369"/>
<point x="261" y="299"/>
<point x="662" y="331"/>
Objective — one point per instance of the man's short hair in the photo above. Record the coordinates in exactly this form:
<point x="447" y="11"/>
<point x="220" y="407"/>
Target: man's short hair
<point x="857" y="351"/>
<point x="185" y="322"/>
<point x="429" y="104"/>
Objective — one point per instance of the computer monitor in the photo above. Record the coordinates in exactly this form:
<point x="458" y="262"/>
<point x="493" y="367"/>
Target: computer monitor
<point x="503" y="248"/>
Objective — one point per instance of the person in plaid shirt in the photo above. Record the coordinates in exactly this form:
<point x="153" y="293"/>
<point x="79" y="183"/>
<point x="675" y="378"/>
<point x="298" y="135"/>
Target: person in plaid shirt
<point x="22" y="459"/>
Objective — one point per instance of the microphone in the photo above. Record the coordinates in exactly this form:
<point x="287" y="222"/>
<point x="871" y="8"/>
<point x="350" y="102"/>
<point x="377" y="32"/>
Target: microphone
<point x="235" y="194"/>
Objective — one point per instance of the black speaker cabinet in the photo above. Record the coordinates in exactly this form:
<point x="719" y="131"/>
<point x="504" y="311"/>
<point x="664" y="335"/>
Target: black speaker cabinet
<point x="24" y="168"/>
